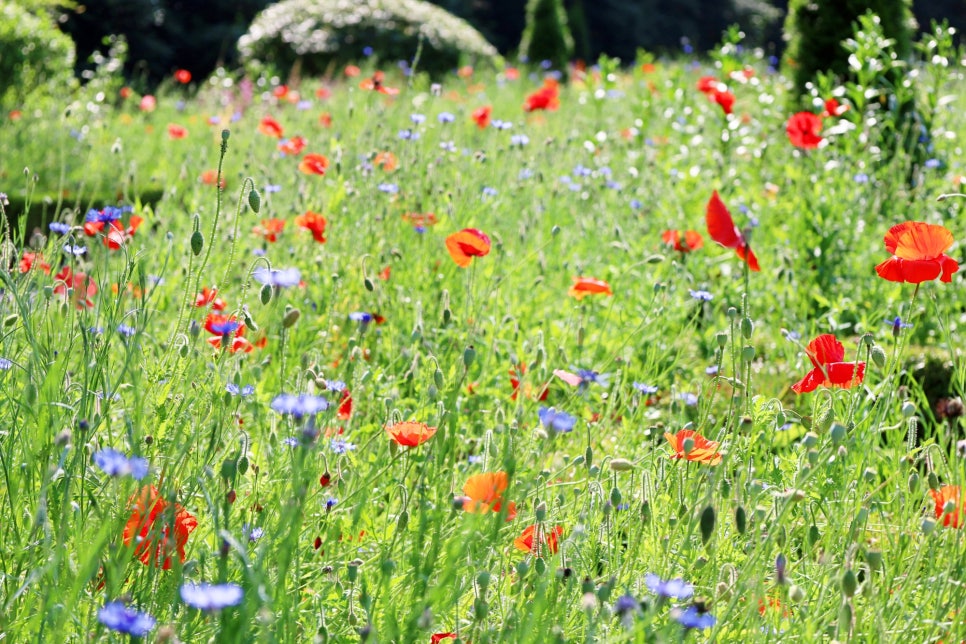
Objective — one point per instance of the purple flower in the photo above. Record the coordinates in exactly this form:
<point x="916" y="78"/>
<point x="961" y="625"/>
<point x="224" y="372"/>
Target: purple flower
<point x="674" y="588"/>
<point x="341" y="446"/>
<point x="408" y="135"/>
<point x="272" y="187"/>
<point x="501" y="125"/>
<point x="5" y="364"/>
<point x="299" y="406"/>
<point x="446" y="117"/>
<point x="932" y="163"/>
<point x="235" y="390"/>
<point x="211" y="597"/>
<point x="118" y="617"/>
<point x="489" y="192"/>
<point x="106" y="215"/>
<point x="330" y="503"/>
<point x="59" y="228"/>
<point x="645" y="388"/>
<point x="703" y="296"/>
<point x="559" y="421"/>
<point x="626" y="604"/>
<point x="227" y="327"/>
<point x="418" y="119"/>
<point x="781" y="567"/>
<point x="283" y="278"/>
<point x="519" y="139"/>
<point x="897" y="326"/>
<point x="688" y="399"/>
<point x="691" y="617"/>
<point x="636" y="204"/>
<point x="115" y="463"/>
<point x="388" y="188"/>
<point x="75" y="250"/>
<point x="334" y="385"/>
<point x="253" y="534"/>
<point x="126" y="331"/>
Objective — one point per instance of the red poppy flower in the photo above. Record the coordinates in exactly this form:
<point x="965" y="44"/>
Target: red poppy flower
<point x="918" y="253"/>
<point x="827" y="355"/>
<point x="345" y="406"/>
<point x="375" y="84"/>
<point x="709" y="84"/>
<point x="384" y="273"/>
<point x="270" y="229"/>
<point x="148" y="103"/>
<point x="584" y="286"/>
<point x="525" y="541"/>
<point x="225" y="327"/>
<point x="804" y="130"/>
<point x="30" y="260"/>
<point x="292" y="147"/>
<point x="313" y="222"/>
<point x="704" y="451"/>
<point x="436" y="638"/>
<point x="209" y="297"/>
<point x="352" y="71"/>
<point x="75" y="287"/>
<point x="516" y="374"/>
<point x="484" y="493"/>
<point x="834" y="108"/>
<point x="545" y="98"/>
<point x="182" y="76"/>
<point x="280" y="92"/>
<point x="176" y="131"/>
<point x="466" y="244"/>
<point x="325" y="119"/>
<point x="270" y="127"/>
<point x="725" y="99"/>
<point x="722" y="229"/>
<point x="410" y="433"/>
<point x="481" y="116"/>
<point x="150" y="527"/>
<point x="942" y="496"/>
<point x="313" y="163"/>
<point x="421" y="221"/>
<point x="385" y="160"/>
<point x="691" y="240"/>
<point x="126" y="92"/>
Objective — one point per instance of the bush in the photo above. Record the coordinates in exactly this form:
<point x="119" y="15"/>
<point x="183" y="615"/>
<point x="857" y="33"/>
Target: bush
<point x="816" y="30"/>
<point x="547" y="36"/>
<point x="320" y="34"/>
<point x="33" y="54"/>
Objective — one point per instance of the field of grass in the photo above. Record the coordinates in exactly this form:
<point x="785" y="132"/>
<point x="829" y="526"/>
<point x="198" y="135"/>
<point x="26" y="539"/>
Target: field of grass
<point x="543" y="501"/>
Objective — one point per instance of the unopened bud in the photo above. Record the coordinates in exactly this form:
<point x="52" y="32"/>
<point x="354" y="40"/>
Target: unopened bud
<point x="878" y="355"/>
<point x="254" y="200"/>
<point x="291" y="317"/>
<point x="621" y="465"/>
<point x="197" y="242"/>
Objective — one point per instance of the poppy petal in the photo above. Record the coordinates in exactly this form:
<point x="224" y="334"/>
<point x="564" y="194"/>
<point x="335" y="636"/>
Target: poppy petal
<point x="721" y="227"/>
<point x="845" y="374"/>
<point x="825" y="349"/>
<point x="812" y="381"/>
<point x="919" y="241"/>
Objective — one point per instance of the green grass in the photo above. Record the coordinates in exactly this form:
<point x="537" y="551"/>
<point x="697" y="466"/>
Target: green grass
<point x="826" y="480"/>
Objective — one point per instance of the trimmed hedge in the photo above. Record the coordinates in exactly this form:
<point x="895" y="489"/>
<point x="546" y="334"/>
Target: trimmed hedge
<point x="322" y="33"/>
<point x="33" y="53"/>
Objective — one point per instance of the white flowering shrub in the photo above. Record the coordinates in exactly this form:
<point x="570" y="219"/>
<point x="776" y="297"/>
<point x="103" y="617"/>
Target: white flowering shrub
<point x="320" y="33"/>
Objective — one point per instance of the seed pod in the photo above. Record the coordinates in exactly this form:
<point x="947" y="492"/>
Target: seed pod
<point x="265" y="295"/>
<point x="707" y="523"/>
<point x="838" y="433"/>
<point x="469" y="355"/>
<point x="197" y="242"/>
<point x="878" y="355"/>
<point x="254" y="200"/>
<point x="747" y="353"/>
<point x="741" y="520"/>
<point x="621" y="465"/>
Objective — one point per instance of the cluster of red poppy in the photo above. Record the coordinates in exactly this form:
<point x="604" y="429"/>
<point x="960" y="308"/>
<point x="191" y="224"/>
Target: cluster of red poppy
<point x="311" y="163"/>
<point x="271" y="229"/>
<point x="718" y="92"/>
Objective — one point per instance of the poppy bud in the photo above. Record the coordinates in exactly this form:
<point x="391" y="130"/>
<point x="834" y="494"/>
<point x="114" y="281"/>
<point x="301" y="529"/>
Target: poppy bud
<point x="747" y="328"/>
<point x="722" y="339"/>
<point x="933" y="481"/>
<point x="447" y="315"/>
<point x="810" y="439"/>
<point x="732" y="313"/>
<point x="483" y="579"/>
<point x="352" y="569"/>
<point x="796" y="593"/>
<point x="908" y="409"/>
<point x="615" y="496"/>
<point x="878" y="356"/>
<point x="266" y="294"/>
<point x="849" y="583"/>
<point x="438" y="378"/>
<point x="874" y="559"/>
<point x="913" y="482"/>
<point x="228" y="468"/>
<point x="243" y="465"/>
<point x="522" y="568"/>
<point x="197" y="242"/>
<point x="741" y="520"/>
<point x="838" y="433"/>
<point x="589" y="456"/>
<point x="747" y="353"/>
<point x="183" y="351"/>
<point x="688" y="445"/>
<point x="725" y="487"/>
<point x="928" y="525"/>
<point x="812" y="456"/>
<point x="621" y="465"/>
<point x="10" y="320"/>
<point x="292" y="316"/>
<point x="707" y="523"/>
<point x="540" y="565"/>
<point x="254" y="200"/>
<point x="870" y="475"/>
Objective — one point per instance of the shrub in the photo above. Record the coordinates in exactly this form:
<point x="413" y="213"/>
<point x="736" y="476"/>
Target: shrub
<point x="816" y="30"/>
<point x="33" y="53"/>
<point x="547" y="36"/>
<point x="319" y="34"/>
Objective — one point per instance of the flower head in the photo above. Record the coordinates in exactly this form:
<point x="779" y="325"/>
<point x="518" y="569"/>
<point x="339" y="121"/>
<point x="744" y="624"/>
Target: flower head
<point x="270" y="127"/>
<point x="282" y="278"/>
<point x="118" y="617"/>
<point x="293" y="146"/>
<point x="701" y="449"/>
<point x="584" y="286"/>
<point x="545" y="98"/>
<point x="673" y="588"/>
<point x="530" y="540"/>
<point x="115" y="463"/>
<point x="558" y="421"/>
<point x="484" y="493"/>
<point x="827" y="354"/>
<point x="313" y="163"/>
<point x="76" y="287"/>
<point x="804" y="130"/>
<point x="918" y="253"/>
<point x="410" y="433"/>
<point x="211" y="597"/>
<point x="481" y="116"/>
<point x="299" y="406"/>
<point x="722" y="229"/>
<point x="150" y="525"/>
<point x="466" y="244"/>
<point x="314" y="223"/>
<point x="949" y="494"/>
<point x="693" y="617"/>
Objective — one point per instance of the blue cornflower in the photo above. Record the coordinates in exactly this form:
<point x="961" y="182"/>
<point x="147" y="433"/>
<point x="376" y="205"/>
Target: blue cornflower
<point x="473" y="459"/>
<point x="331" y="503"/>
<point x="613" y="185"/>
<point x="897" y="326"/>
<point x="408" y="135"/>
<point x="95" y="330"/>
<point x="712" y="370"/>
<point x="362" y="317"/>
<point x="118" y="617"/>
<point x="303" y="105"/>
<point x="691" y="617"/>
<point x="212" y="596"/>
<point x="626" y="604"/>
<point x="388" y="188"/>
<point x="235" y="390"/>
<point x="253" y="534"/>
<point x="284" y="277"/>
<point x="125" y="330"/>
<point x="446" y="117"/>
<point x="588" y="376"/>
<point x="59" y="228"/>
<point x="299" y="406"/>
<point x="500" y="125"/>
<point x="334" y="385"/>
<point x="225" y="327"/>
<point x="557" y="420"/>
<point x="272" y="187"/>
<point x="861" y="177"/>
<point x="417" y="118"/>
<point x="341" y="446"/>
<point x="519" y="139"/>
<point x="688" y="399"/>
<point x="781" y="569"/>
<point x="636" y="204"/>
<point x="106" y="215"/>
<point x="605" y="171"/>
<point x="581" y="171"/>
<point x="290" y="441"/>
<point x="367" y="51"/>
<point x="932" y="163"/>
<point x="674" y="588"/>
<point x="448" y="146"/>
<point x="5" y="364"/>
<point x="75" y="250"/>
<point x="489" y="192"/>
<point x="525" y="174"/>
<point x="704" y="296"/>
<point x="115" y="463"/>
<point x="645" y="388"/>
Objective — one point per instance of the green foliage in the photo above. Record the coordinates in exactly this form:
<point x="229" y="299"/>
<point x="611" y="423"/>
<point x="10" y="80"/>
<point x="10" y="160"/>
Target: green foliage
<point x="33" y="54"/>
<point x="547" y="36"/>
<point x="320" y="35"/>
<point x="817" y="29"/>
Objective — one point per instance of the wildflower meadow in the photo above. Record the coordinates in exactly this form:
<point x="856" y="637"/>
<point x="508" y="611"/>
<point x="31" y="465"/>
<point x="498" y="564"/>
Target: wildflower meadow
<point x="637" y="353"/>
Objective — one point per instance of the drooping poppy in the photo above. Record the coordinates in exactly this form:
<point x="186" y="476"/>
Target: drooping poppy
<point x="150" y="527"/>
<point x="410" y="433"/>
<point x="584" y="286"/>
<point x="76" y="287"/>
<point x="293" y="146"/>
<point x="466" y="244"/>
<point x="827" y="354"/>
<point x="484" y="493"/>
<point x="313" y="163"/>
<point x="545" y="98"/>
<point x="804" y="130"/>
<point x="918" y="253"/>
<point x="941" y="497"/>
<point x="704" y="451"/>
<point x="722" y="229"/>
<point x="683" y="243"/>
<point x="270" y="229"/>
<point x="481" y="116"/>
<point x="531" y="533"/>
<point x="270" y="127"/>
<point x="313" y="222"/>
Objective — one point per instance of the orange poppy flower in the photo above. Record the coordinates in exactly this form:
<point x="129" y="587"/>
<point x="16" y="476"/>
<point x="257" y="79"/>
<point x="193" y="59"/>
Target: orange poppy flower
<point x="325" y="119"/>
<point x="722" y="229"/>
<point x="345" y="406"/>
<point x="150" y="526"/>
<point x="313" y="222"/>
<point x="481" y="116"/>
<point x="210" y="177"/>
<point x="704" y="451"/>
<point x="270" y="127"/>
<point x="375" y="84"/>
<point x="292" y="147"/>
<point x="209" y="296"/>
<point x="525" y="541"/>
<point x="804" y="130"/>
<point x="584" y="286"/>
<point x="484" y="493"/>
<point x="313" y="163"/>
<point x="466" y="244"/>
<point x="942" y="496"/>
<point x="176" y="131"/>
<point x="384" y="273"/>
<point x="691" y="240"/>
<point x="410" y="433"/>
<point x="385" y="160"/>
<point x="918" y="253"/>
<point x="270" y="229"/>
<point x="545" y="98"/>
<point x="827" y="355"/>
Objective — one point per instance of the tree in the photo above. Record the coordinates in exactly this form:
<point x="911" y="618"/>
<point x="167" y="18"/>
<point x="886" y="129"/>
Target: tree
<point x="547" y="36"/>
